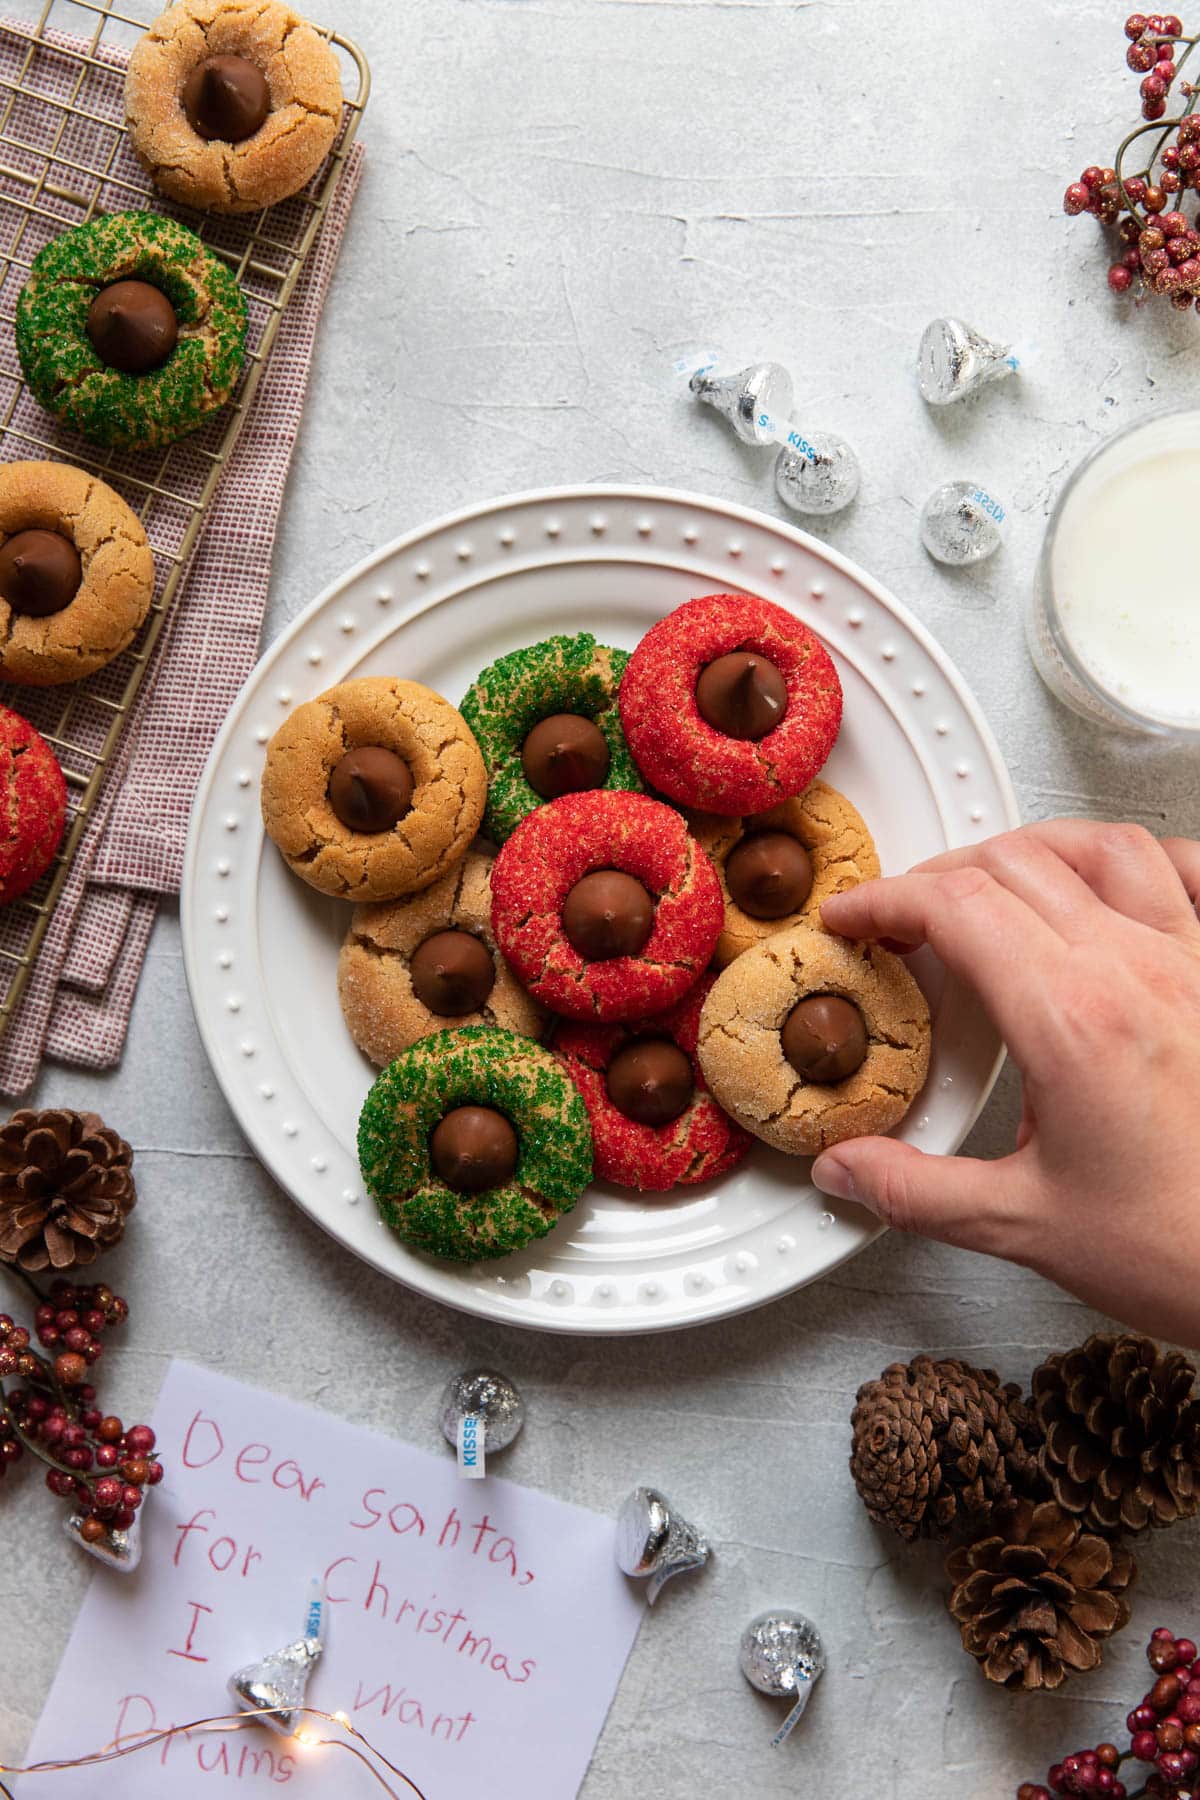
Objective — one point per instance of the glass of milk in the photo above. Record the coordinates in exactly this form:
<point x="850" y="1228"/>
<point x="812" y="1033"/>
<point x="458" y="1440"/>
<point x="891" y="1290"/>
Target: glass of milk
<point x="1114" y="628"/>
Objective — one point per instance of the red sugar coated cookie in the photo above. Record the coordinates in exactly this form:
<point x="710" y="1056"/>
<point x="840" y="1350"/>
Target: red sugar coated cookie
<point x="680" y="754"/>
<point x="557" y="845"/>
<point x="34" y="805"/>
<point x="701" y="1143"/>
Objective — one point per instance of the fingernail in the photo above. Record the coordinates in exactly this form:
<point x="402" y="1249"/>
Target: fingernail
<point x="834" y="1178"/>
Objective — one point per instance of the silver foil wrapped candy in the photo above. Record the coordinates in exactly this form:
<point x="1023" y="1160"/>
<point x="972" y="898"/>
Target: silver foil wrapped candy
<point x="120" y="1550"/>
<point x="817" y="474"/>
<point x="781" y="1654"/>
<point x="654" y="1542"/>
<point x="955" y="360"/>
<point x="481" y="1412"/>
<point x="756" y="400"/>
<point x="960" y="523"/>
<point x="275" y="1686"/>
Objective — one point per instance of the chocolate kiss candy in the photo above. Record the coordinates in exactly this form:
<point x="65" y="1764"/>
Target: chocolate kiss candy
<point x="741" y="695"/>
<point x="564" y="754"/>
<point x="654" y="1543"/>
<point x="275" y="1687"/>
<point x="607" y="914"/>
<point x="452" y="973"/>
<point x="132" y="326"/>
<point x="954" y="360"/>
<point x="650" y="1081"/>
<point x="474" y="1148"/>
<point x="769" y="874"/>
<point x="824" y="1038"/>
<point x="40" y="572"/>
<point x="226" y="97"/>
<point x="817" y="474"/>
<point x="370" y="788"/>
<point x="120" y="1550"/>
<point x="960" y="523"/>
<point x="781" y="1654"/>
<point x="482" y="1394"/>
<point x="756" y="401"/>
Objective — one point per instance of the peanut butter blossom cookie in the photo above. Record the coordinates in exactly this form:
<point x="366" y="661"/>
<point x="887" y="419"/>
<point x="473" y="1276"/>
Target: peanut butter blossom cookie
<point x="130" y="331"/>
<point x="411" y="967"/>
<point x="374" y="789"/>
<point x="76" y="573"/>
<point x="809" y="1039"/>
<point x="35" y="805"/>
<point x="730" y="704"/>
<point x="232" y="107"/>
<point x="473" y="1143"/>
<point x="547" y="722"/>
<point x="779" y="866"/>
<point x="654" y="1124"/>
<point x="605" y="905"/>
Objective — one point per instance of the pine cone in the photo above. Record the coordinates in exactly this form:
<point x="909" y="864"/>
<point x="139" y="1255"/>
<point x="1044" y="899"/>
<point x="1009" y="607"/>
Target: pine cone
<point x="937" y="1444"/>
<point x="1033" y="1599"/>
<point x="65" y="1188"/>
<point x="1121" y="1425"/>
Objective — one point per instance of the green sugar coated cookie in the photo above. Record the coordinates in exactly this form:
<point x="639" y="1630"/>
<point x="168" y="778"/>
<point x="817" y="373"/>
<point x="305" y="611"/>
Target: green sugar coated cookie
<point x="478" y="1065"/>
<point x="64" y="371"/>
<point x="505" y="702"/>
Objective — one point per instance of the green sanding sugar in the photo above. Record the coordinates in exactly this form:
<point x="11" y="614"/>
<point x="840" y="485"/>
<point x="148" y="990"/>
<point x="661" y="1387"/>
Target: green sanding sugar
<point x="505" y="702"/>
<point x="477" y="1065"/>
<point x="69" y="378"/>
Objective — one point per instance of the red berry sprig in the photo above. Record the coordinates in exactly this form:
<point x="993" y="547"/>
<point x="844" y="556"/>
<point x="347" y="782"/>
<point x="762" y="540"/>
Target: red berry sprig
<point x="1160" y="251"/>
<point x="102" y="1466"/>
<point x="1164" y="1730"/>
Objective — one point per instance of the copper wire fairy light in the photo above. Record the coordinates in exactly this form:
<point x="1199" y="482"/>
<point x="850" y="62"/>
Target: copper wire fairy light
<point x="234" y="1722"/>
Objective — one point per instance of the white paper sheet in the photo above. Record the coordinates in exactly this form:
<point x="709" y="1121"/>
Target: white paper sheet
<point x="477" y="1630"/>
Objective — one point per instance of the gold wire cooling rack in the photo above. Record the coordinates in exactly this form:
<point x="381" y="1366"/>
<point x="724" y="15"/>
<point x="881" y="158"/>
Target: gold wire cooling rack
<point x="64" y="158"/>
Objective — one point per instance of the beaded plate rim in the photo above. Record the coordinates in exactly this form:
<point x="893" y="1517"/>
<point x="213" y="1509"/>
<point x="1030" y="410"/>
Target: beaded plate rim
<point x="711" y="542"/>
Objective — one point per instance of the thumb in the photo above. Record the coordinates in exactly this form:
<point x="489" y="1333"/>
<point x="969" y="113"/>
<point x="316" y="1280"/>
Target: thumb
<point x="957" y="1199"/>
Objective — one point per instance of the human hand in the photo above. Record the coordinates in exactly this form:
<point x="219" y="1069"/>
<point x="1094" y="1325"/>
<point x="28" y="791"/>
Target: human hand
<point x="1083" y="943"/>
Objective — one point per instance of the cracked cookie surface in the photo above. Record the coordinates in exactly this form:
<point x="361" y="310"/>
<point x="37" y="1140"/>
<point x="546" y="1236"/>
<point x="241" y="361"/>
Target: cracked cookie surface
<point x="382" y="1012"/>
<point x="742" y="1056"/>
<point x="680" y="754"/>
<point x="474" y="1066"/>
<point x="33" y="805"/>
<point x="832" y="830"/>
<point x="114" y="594"/>
<point x="302" y="76"/>
<point x="558" y="845"/>
<point x="701" y="1143"/>
<point x="503" y="704"/>
<point x="449" y="789"/>
<point x="130" y="411"/>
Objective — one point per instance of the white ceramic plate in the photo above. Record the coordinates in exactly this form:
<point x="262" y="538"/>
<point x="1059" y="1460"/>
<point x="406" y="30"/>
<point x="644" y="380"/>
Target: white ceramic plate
<point x="914" y="754"/>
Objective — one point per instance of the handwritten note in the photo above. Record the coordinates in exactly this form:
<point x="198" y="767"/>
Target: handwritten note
<point x="477" y="1631"/>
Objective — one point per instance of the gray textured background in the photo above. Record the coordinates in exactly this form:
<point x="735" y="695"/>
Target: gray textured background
<point x="559" y="195"/>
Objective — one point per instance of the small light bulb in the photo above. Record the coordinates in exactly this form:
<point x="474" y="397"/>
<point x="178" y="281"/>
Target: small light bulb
<point x="342" y="1718"/>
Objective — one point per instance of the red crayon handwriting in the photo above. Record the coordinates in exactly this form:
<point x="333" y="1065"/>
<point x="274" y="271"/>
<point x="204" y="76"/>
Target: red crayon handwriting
<point x="223" y="1552"/>
<point x="137" y="1718"/>
<point x="204" y="1445"/>
<point x="344" y="1584"/>
<point x="410" y="1711"/>
<point x="404" y="1517"/>
<point x="187" y="1653"/>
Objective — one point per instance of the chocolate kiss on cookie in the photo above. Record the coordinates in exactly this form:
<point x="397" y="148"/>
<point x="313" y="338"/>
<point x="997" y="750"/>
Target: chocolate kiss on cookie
<point x="370" y="788"/>
<point x="607" y="914"/>
<point x="565" y="754"/>
<point x="40" y="572"/>
<point x="132" y="326"/>
<point x="452" y="973"/>
<point x="474" y="1148"/>
<point x="825" y="1038"/>
<point x="741" y="695"/>
<point x="650" y="1081"/>
<point x="226" y="97"/>
<point x="769" y="874"/>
